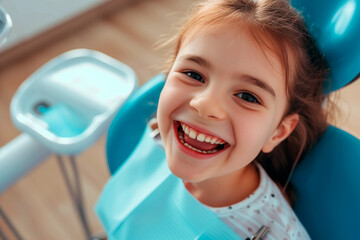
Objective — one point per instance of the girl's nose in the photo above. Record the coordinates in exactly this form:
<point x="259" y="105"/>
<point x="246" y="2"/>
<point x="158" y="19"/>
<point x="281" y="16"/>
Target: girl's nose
<point x="208" y="106"/>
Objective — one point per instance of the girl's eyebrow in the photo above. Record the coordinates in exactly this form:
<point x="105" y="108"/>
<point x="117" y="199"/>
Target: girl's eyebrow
<point x="250" y="79"/>
<point x="259" y="83"/>
<point x="196" y="59"/>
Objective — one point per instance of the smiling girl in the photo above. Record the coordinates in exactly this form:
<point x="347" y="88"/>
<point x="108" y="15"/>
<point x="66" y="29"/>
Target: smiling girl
<point x="242" y="101"/>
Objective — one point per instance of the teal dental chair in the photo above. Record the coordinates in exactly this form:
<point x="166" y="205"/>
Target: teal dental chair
<point x="327" y="180"/>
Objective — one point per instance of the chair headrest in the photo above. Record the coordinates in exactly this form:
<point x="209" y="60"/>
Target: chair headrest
<point x="335" y="27"/>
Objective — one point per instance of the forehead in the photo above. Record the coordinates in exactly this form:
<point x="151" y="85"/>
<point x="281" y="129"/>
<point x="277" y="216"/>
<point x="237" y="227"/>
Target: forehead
<point x="234" y="42"/>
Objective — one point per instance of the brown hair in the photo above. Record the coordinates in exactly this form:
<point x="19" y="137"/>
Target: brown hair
<point x="275" y="26"/>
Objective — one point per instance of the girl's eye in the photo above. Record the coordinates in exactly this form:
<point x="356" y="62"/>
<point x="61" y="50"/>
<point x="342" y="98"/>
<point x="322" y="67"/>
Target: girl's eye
<point x="195" y="76"/>
<point x="248" y="97"/>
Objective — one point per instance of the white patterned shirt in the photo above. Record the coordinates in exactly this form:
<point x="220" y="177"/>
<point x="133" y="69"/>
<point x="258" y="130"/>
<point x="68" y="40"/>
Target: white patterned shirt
<point x="265" y="206"/>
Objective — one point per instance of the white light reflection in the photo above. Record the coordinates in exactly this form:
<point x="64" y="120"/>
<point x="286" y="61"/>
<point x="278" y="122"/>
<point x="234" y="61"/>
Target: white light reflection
<point x="343" y="16"/>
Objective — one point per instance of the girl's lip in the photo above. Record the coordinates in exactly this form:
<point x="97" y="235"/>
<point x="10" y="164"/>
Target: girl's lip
<point x="202" y="130"/>
<point x="189" y="151"/>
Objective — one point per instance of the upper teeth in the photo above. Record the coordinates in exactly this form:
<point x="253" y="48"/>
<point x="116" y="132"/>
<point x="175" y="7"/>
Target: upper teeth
<point x="201" y="137"/>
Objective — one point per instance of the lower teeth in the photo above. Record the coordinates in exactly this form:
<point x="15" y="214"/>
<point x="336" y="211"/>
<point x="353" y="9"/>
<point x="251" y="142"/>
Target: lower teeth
<point x="195" y="149"/>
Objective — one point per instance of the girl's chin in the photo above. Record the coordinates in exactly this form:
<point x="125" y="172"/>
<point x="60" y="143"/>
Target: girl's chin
<point x="185" y="172"/>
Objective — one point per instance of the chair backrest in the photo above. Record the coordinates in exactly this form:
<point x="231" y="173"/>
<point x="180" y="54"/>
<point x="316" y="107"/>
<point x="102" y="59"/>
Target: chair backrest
<point x="327" y="185"/>
<point x="327" y="181"/>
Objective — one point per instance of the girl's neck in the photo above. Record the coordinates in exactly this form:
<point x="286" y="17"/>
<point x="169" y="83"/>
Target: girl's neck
<point x="226" y="190"/>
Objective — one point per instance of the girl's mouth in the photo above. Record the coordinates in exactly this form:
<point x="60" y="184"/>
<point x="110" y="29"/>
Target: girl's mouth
<point x="198" y="142"/>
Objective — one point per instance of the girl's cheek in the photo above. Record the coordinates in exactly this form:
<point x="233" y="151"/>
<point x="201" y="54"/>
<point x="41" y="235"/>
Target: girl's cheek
<point x="164" y="107"/>
<point x="170" y="96"/>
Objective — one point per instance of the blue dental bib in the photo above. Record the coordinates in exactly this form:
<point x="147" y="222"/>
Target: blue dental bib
<point x="144" y="200"/>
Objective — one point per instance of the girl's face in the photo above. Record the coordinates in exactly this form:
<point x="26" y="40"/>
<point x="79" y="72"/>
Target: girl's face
<point x="223" y="102"/>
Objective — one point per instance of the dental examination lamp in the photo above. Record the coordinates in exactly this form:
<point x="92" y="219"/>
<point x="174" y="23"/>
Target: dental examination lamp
<point x="5" y="25"/>
<point x="63" y="108"/>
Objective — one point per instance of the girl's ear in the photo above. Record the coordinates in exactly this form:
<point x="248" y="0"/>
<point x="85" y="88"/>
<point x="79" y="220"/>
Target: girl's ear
<point x="284" y="129"/>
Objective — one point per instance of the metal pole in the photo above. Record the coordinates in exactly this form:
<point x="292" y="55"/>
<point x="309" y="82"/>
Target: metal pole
<point x="10" y="225"/>
<point x="75" y="192"/>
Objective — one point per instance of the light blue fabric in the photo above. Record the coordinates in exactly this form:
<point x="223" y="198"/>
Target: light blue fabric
<point x="143" y="200"/>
